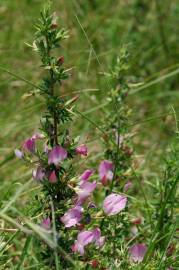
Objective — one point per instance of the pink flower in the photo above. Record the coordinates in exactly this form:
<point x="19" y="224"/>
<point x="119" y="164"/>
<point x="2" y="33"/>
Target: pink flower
<point x="46" y="223"/>
<point x="72" y="216"/>
<point x="86" y="175"/>
<point x="38" y="174"/>
<point x="86" y="237"/>
<point x="56" y="155"/>
<point x="137" y="252"/>
<point x="37" y="136"/>
<point x="127" y="186"/>
<point x="53" y="177"/>
<point x="29" y="145"/>
<point x="18" y="153"/>
<point x="114" y="203"/>
<point x="85" y="190"/>
<point x="82" y="150"/>
<point x="105" y="171"/>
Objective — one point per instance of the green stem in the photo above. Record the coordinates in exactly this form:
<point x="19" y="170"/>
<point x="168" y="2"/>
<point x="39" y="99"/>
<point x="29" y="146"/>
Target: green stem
<point x="55" y="120"/>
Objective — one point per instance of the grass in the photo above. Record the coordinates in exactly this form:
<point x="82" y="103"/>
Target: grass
<point x="97" y="32"/>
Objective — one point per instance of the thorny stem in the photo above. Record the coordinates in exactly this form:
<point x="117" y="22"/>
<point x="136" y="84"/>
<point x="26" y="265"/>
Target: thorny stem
<point x="55" y="120"/>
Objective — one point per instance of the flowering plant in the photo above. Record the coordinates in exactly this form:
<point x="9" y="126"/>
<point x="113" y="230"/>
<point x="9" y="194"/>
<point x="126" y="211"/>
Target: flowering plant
<point x="87" y="210"/>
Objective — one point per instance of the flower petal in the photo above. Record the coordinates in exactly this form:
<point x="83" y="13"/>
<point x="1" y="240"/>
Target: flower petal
<point x="18" y="153"/>
<point x="38" y="173"/>
<point x="114" y="203"/>
<point x="29" y="145"/>
<point x="82" y="150"/>
<point x="46" y="223"/>
<point x="86" y="175"/>
<point x="56" y="155"/>
<point x="137" y="252"/>
<point x="72" y="216"/>
<point x="53" y="177"/>
<point x="105" y="171"/>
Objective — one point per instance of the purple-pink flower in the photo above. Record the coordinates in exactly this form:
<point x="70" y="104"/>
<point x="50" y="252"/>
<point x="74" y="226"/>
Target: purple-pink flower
<point x="38" y="173"/>
<point x="137" y="252"/>
<point x="29" y="145"/>
<point x="46" y="223"/>
<point x="114" y="203"/>
<point x="18" y="153"/>
<point x="86" y="237"/>
<point x="82" y="150"/>
<point x="72" y="217"/>
<point x="86" y="175"/>
<point x="56" y="155"/>
<point x="53" y="177"/>
<point x="84" y="191"/>
<point x="106" y="171"/>
<point x="127" y="186"/>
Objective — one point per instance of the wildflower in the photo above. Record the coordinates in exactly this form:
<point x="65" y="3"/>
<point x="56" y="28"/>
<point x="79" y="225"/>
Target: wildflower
<point x="46" y="223"/>
<point x="53" y="177"/>
<point x="38" y="173"/>
<point x="127" y="186"/>
<point x="29" y="145"/>
<point x="137" y="252"/>
<point x="85" y="190"/>
<point x="105" y="171"/>
<point x="56" y="155"/>
<point x="18" y="153"/>
<point x="82" y="150"/>
<point x="72" y="217"/>
<point x="86" y="237"/>
<point x="114" y="203"/>
<point x="86" y="175"/>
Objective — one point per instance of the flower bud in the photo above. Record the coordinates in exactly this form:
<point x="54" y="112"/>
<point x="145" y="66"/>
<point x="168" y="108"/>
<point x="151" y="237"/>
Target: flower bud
<point x="54" y="25"/>
<point x="94" y="264"/>
<point x="60" y="60"/>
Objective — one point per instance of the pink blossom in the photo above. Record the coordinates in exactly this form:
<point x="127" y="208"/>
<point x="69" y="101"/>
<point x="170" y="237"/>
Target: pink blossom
<point x="86" y="237"/>
<point x="29" y="145"/>
<point x="114" y="203"/>
<point x="37" y="136"/>
<point x="85" y="190"/>
<point x="56" y="155"/>
<point x="137" y="252"/>
<point x="46" y="223"/>
<point x="38" y="173"/>
<point x="105" y="171"/>
<point x="18" y="153"/>
<point x="86" y="175"/>
<point x="127" y="186"/>
<point x="82" y="150"/>
<point x="72" y="217"/>
<point x="53" y="177"/>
